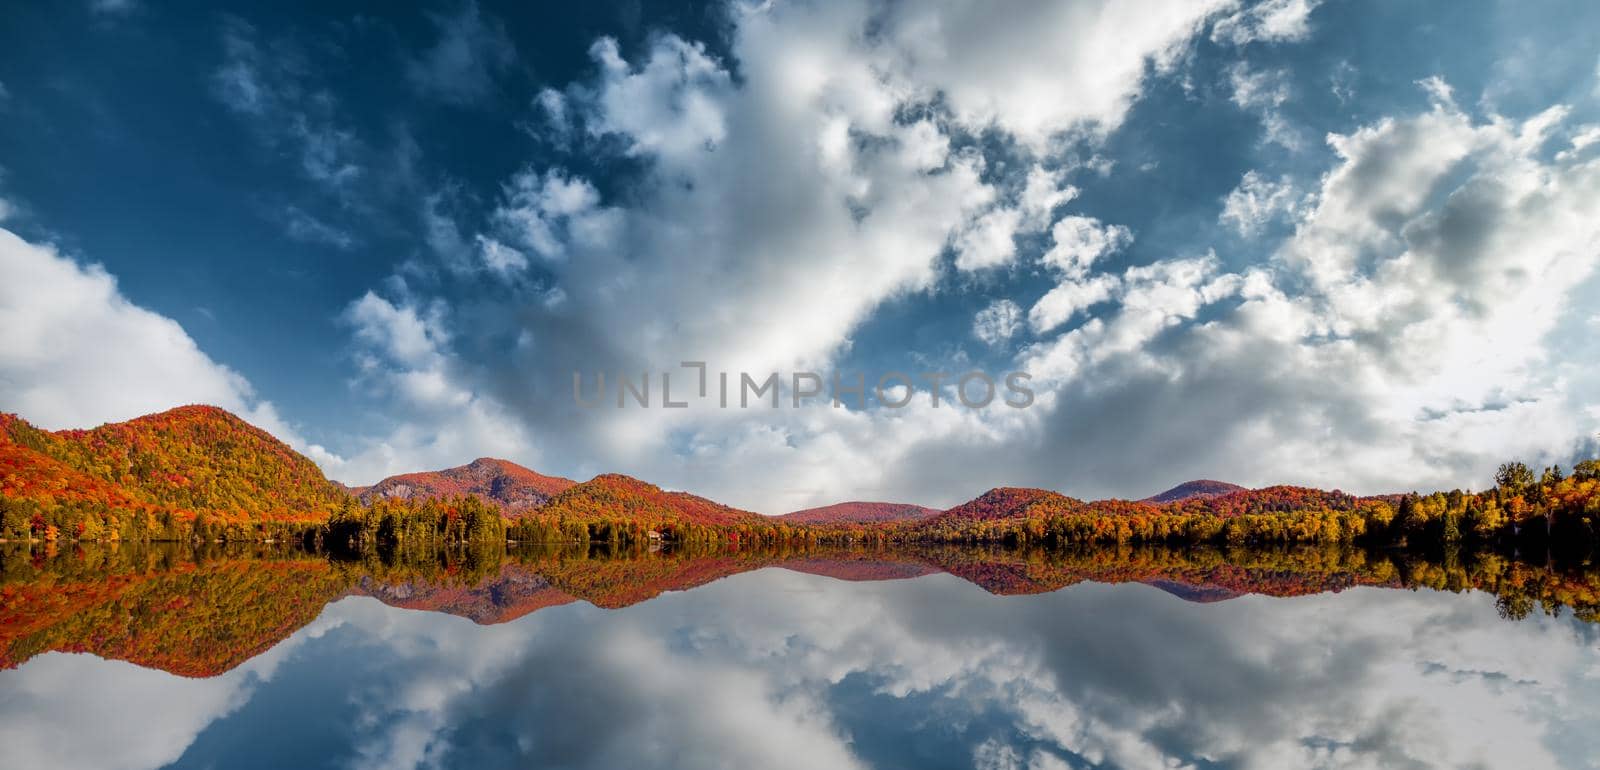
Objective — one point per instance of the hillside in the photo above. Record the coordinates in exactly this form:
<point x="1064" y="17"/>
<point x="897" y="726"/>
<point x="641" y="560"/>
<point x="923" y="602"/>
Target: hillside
<point x="859" y="513"/>
<point x="1278" y="499"/>
<point x="1202" y="488"/>
<point x="502" y="483"/>
<point x="185" y="461"/>
<point x="1010" y="502"/>
<point x="613" y="496"/>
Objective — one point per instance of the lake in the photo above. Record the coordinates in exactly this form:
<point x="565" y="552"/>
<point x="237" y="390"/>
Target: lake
<point x="914" y="658"/>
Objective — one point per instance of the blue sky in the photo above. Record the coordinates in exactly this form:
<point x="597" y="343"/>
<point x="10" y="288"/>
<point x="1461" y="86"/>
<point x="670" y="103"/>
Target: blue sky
<point x="1339" y="243"/>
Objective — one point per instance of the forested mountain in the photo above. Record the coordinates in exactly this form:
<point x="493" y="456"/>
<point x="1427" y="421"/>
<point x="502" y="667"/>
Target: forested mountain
<point x="167" y="468"/>
<point x="1198" y="488"/>
<point x="502" y="483"/>
<point x="859" y="513"/>
<point x="1010" y="502"/>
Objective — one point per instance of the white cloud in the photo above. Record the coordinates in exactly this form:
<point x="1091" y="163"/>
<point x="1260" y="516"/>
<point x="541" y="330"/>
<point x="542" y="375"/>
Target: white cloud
<point x="501" y="259"/>
<point x="1043" y="192"/>
<point x="1268" y="21"/>
<point x="1428" y="270"/>
<point x="1038" y="71"/>
<point x="547" y="212"/>
<point x="996" y="323"/>
<point x="671" y="107"/>
<point x="553" y="106"/>
<point x="1069" y="298"/>
<point x="926" y="147"/>
<point x="1258" y="201"/>
<point x="989" y="241"/>
<point x="776" y="212"/>
<point x="77" y="353"/>
<point x="404" y="361"/>
<point x="1265" y="91"/>
<point x="1258" y="88"/>
<point x="1081" y="241"/>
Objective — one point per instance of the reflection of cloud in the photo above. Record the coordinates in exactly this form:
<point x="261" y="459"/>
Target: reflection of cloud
<point x="781" y="669"/>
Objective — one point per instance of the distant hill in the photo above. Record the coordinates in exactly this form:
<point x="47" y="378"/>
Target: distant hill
<point x="859" y="513"/>
<point x="1009" y="502"/>
<point x="503" y="483"/>
<point x="614" y="495"/>
<point x="1193" y="489"/>
<point x="186" y="460"/>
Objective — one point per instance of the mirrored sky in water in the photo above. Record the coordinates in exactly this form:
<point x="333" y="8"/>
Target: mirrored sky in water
<point x="778" y="669"/>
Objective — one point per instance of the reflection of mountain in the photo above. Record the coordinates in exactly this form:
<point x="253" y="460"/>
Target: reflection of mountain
<point x="508" y="594"/>
<point x="188" y="618"/>
<point x="1198" y="593"/>
<point x="202" y="614"/>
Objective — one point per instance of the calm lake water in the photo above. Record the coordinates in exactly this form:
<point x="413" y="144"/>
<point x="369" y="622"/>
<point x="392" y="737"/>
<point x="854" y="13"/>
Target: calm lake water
<point x="805" y="662"/>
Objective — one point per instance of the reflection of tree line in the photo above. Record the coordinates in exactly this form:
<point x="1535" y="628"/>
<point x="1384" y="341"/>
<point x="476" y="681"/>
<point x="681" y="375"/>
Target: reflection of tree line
<point x="201" y="611"/>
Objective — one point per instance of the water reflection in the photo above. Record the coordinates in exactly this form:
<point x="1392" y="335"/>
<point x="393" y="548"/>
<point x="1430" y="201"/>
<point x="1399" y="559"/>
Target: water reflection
<point x="836" y="661"/>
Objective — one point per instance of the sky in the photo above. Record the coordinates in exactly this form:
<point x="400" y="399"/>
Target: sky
<point x="1336" y="243"/>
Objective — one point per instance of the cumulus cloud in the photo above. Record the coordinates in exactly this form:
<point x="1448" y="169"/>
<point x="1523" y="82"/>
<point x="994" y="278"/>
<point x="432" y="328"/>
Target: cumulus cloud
<point x="998" y="322"/>
<point x="403" y="360"/>
<point x="1080" y="241"/>
<point x="547" y="212"/>
<point x="1257" y="202"/>
<point x="707" y="258"/>
<point x="1350" y="354"/>
<point x="1041" y="70"/>
<point x="1437" y="256"/>
<point x="1068" y="299"/>
<point x="77" y="353"/>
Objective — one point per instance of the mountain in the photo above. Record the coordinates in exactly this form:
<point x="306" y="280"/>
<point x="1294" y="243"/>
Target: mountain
<point x="859" y="513"/>
<point x="1277" y="499"/>
<point x="1010" y="502"/>
<point x="1203" y="488"/>
<point x="509" y="486"/>
<point x="186" y="460"/>
<point x="612" y="495"/>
